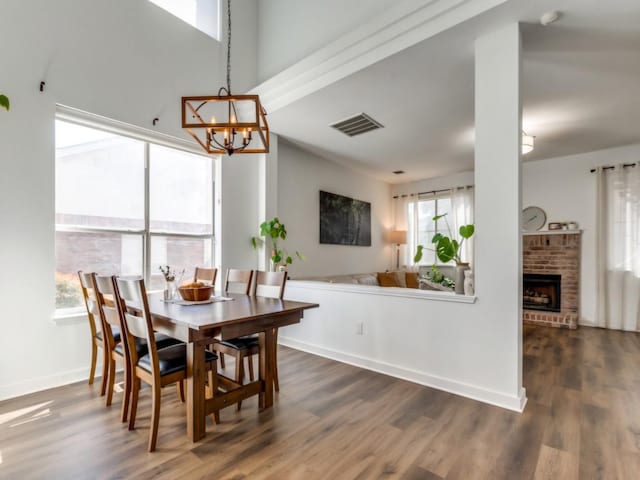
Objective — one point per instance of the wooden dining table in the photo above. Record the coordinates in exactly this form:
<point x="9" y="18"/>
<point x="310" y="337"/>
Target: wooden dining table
<point x="197" y="325"/>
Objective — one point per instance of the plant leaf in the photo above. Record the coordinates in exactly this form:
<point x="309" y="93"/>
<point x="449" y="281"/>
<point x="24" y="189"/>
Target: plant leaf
<point x="301" y="256"/>
<point x="467" y="230"/>
<point x="445" y="250"/>
<point x="438" y="217"/>
<point x="4" y="102"/>
<point x="436" y="238"/>
<point x="289" y="260"/>
<point x="418" y="256"/>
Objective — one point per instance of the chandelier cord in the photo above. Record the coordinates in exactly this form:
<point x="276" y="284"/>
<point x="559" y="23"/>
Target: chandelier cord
<point x="229" y="47"/>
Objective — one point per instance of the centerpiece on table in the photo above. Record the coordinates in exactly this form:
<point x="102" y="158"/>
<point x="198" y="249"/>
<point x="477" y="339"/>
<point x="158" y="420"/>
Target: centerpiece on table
<point x="448" y="248"/>
<point x="170" y="284"/>
<point x="273" y="231"/>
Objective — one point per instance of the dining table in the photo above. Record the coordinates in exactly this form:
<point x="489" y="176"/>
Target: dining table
<point x="225" y="317"/>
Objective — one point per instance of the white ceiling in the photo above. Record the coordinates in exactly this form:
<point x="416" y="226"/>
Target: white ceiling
<point x="581" y="92"/>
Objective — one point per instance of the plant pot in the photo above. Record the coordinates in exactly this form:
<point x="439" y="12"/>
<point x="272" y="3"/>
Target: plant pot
<point x="460" y="268"/>
<point x="468" y="282"/>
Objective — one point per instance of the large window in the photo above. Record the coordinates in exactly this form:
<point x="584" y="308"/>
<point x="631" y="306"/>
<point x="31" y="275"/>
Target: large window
<point x="421" y="226"/>
<point x="125" y="206"/>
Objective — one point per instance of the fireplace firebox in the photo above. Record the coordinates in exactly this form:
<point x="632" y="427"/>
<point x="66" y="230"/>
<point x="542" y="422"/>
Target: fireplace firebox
<point x="541" y="292"/>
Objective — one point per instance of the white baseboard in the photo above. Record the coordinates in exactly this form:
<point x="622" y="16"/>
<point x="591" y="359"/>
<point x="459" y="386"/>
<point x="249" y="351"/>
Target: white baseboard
<point x="515" y="403"/>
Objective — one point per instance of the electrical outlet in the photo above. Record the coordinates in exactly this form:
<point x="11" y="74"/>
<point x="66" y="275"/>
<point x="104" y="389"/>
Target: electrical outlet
<point x="359" y="328"/>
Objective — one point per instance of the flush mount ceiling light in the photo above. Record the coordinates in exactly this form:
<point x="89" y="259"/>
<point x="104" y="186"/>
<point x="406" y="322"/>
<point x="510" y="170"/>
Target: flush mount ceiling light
<point x="527" y="143"/>
<point x="226" y="123"/>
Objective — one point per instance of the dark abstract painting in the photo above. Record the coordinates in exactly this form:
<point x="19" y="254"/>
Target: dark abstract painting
<point x="344" y="221"/>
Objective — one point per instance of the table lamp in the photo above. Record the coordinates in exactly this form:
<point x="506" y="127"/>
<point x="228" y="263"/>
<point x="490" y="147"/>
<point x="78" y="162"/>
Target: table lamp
<point x="399" y="237"/>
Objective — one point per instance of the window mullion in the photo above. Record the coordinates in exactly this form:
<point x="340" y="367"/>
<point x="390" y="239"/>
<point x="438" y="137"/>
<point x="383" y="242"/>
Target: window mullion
<point x="147" y="235"/>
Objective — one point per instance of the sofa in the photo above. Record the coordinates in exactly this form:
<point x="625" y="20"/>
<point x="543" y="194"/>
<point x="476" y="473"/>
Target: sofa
<point x="396" y="278"/>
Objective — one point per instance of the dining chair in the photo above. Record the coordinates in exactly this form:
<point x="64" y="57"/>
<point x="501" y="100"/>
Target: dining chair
<point x="205" y="275"/>
<point x="159" y="366"/>
<point x="266" y="284"/>
<point x="96" y="327"/>
<point x="107" y="309"/>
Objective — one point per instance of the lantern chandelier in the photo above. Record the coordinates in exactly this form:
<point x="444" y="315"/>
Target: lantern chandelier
<point x="226" y="123"/>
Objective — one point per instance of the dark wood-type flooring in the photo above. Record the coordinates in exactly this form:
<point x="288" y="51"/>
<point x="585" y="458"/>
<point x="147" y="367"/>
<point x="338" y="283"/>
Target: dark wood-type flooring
<point x="335" y="421"/>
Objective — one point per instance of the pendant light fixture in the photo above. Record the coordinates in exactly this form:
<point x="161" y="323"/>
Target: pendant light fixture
<point x="227" y="123"/>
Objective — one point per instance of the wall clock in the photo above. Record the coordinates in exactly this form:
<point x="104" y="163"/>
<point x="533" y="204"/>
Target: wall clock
<point x="533" y="218"/>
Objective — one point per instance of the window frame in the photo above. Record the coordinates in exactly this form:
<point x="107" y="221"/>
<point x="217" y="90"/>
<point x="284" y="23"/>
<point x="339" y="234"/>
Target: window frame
<point x="432" y="197"/>
<point x="148" y="137"/>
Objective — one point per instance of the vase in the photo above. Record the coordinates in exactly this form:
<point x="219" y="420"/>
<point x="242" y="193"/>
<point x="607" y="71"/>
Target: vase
<point x="169" y="290"/>
<point x="460" y="269"/>
<point x="468" y="282"/>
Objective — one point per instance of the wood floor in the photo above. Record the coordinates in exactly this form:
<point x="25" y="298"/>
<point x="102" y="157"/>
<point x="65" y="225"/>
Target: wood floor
<point x="335" y="421"/>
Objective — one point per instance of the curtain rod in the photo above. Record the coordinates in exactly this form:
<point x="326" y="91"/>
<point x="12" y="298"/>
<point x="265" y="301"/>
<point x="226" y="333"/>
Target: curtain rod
<point x="431" y="191"/>
<point x="611" y="167"/>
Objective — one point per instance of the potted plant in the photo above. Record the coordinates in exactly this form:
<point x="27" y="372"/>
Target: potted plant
<point x="448" y="248"/>
<point x="4" y="102"/>
<point x="273" y="232"/>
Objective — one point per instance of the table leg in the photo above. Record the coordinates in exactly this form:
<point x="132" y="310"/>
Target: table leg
<point x="266" y="368"/>
<point x="196" y="426"/>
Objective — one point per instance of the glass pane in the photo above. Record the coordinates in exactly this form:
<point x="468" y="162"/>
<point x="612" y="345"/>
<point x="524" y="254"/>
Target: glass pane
<point x="179" y="253"/>
<point x="201" y="14"/>
<point x="444" y="207"/>
<point x="426" y="212"/>
<point x="181" y="196"/>
<point x="103" y="253"/>
<point x="99" y="178"/>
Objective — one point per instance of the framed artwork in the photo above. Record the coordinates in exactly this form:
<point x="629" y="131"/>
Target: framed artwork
<point x="344" y="220"/>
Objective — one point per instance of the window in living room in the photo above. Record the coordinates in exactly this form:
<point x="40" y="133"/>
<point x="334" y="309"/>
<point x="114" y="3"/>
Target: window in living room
<point x="125" y="206"/>
<point x="201" y="14"/>
<point x="422" y="228"/>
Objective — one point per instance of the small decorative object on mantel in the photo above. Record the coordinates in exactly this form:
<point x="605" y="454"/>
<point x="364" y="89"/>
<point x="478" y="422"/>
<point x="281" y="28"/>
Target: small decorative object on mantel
<point x="555" y="225"/>
<point x="572" y="225"/>
<point x="533" y="218"/>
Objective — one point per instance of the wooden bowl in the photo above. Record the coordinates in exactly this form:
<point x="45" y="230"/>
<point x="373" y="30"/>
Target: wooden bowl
<point x="199" y="294"/>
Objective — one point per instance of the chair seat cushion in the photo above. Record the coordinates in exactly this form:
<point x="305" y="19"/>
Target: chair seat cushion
<point x="242" y="343"/>
<point x="114" y="330"/>
<point x="172" y="359"/>
<point x="162" y="341"/>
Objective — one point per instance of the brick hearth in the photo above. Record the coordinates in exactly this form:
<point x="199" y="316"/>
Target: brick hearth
<point x="555" y="253"/>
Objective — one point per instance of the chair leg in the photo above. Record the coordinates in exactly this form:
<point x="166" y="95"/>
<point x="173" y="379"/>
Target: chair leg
<point x="135" y="391"/>
<point x="155" y="415"/>
<point x="213" y="387"/>
<point x="180" y="390"/>
<point x="127" y="393"/>
<point x="112" y="379"/>
<point x="221" y="360"/>
<point x="105" y="370"/>
<point x="250" y="363"/>
<point x="94" y="359"/>
<point x="239" y="374"/>
<point x="276" y="383"/>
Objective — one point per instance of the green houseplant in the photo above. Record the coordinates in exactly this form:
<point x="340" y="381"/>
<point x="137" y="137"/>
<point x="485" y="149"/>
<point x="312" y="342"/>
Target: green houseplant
<point x="448" y="248"/>
<point x="271" y="234"/>
<point x="4" y="102"/>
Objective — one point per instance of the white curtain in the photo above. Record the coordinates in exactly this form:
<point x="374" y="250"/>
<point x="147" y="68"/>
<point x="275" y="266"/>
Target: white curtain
<point x="462" y="202"/>
<point x="618" y="248"/>
<point x="403" y="222"/>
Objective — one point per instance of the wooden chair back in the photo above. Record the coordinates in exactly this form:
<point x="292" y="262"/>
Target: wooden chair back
<point x="270" y="284"/>
<point x="205" y="275"/>
<point x="107" y="304"/>
<point x="132" y="292"/>
<point x="238" y="281"/>
<point x="90" y="301"/>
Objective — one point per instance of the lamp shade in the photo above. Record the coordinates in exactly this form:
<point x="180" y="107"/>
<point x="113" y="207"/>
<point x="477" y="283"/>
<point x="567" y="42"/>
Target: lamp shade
<point x="398" y="236"/>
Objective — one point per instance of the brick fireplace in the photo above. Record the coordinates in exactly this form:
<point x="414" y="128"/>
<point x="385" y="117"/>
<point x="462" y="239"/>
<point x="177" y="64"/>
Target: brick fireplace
<point x="551" y="283"/>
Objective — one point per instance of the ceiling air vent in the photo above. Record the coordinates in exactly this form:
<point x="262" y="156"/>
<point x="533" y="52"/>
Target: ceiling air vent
<point x="357" y="124"/>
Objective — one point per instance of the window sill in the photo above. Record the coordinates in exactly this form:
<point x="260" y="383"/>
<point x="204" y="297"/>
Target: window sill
<point x="70" y="318"/>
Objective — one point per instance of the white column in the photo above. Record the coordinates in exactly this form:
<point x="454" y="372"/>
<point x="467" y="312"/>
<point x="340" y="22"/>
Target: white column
<point x="498" y="269"/>
<point x="268" y="188"/>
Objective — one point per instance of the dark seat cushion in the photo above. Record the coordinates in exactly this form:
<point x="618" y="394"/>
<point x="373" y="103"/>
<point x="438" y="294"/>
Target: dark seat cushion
<point x="162" y="341"/>
<point x="242" y="343"/>
<point x="172" y="359"/>
<point x="116" y="334"/>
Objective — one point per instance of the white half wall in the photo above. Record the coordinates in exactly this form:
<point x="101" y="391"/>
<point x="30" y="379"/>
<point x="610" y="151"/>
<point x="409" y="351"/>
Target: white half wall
<point x="301" y="176"/>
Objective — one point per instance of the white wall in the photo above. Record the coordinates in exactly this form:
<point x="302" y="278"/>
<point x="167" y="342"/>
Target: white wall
<point x="123" y="59"/>
<point x="566" y="190"/>
<point x="301" y="175"/>
<point x="289" y="30"/>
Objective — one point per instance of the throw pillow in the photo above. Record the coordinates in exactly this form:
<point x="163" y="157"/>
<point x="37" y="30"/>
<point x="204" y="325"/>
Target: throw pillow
<point x="388" y="279"/>
<point x="412" y="280"/>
